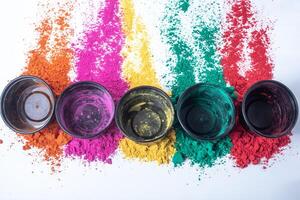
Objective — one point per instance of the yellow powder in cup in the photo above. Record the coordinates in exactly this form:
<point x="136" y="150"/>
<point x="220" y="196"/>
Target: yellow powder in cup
<point x="138" y="70"/>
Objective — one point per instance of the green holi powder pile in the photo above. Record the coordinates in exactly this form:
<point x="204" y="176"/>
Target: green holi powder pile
<point x="192" y="62"/>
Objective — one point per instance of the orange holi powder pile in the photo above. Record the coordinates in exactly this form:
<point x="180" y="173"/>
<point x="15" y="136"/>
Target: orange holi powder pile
<point x="51" y="61"/>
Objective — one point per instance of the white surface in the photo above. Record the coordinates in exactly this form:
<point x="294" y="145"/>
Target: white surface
<point x="20" y="179"/>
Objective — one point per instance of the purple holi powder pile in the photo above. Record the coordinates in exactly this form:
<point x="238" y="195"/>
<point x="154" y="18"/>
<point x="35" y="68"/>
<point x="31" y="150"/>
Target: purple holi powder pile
<point x="99" y="60"/>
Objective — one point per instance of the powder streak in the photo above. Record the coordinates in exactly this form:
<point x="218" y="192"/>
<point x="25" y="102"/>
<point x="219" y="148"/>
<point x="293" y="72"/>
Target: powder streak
<point x="52" y="63"/>
<point x="138" y="70"/>
<point x="100" y="61"/>
<point x="248" y="148"/>
<point x="184" y="65"/>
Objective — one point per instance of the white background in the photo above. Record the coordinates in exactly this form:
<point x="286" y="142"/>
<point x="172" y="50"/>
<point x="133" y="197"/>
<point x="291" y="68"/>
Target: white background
<point x="25" y="177"/>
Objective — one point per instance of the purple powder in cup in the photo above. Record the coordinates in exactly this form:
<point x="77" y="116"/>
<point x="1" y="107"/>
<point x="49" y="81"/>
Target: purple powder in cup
<point x="85" y="109"/>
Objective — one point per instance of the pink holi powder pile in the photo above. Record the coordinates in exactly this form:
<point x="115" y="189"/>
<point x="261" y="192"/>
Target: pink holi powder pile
<point x="95" y="149"/>
<point x="99" y="60"/>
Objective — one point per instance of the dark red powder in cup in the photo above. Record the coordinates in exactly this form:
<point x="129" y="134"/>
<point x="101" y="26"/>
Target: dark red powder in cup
<point x="246" y="42"/>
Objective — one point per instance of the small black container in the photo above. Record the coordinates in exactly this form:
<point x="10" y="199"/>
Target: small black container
<point x="269" y="109"/>
<point x="27" y="104"/>
<point x="206" y="112"/>
<point x="85" y="109"/>
<point x="145" y="114"/>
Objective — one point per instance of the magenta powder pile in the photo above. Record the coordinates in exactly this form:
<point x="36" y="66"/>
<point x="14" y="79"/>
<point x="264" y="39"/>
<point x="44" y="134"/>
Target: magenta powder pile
<point x="99" y="60"/>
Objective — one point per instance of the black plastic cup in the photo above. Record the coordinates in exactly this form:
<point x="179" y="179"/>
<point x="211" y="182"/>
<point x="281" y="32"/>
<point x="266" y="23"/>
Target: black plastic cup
<point x="27" y="104"/>
<point x="206" y="112"/>
<point x="269" y="109"/>
<point x="85" y="109"/>
<point x="145" y="114"/>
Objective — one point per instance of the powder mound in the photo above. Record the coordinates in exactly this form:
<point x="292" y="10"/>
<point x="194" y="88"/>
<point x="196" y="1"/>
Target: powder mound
<point x="49" y="141"/>
<point x="203" y="154"/>
<point x="100" y="149"/>
<point x="252" y="149"/>
<point x="160" y="152"/>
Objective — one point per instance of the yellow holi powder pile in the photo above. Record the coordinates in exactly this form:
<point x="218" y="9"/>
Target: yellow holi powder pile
<point x="161" y="151"/>
<point x="138" y="70"/>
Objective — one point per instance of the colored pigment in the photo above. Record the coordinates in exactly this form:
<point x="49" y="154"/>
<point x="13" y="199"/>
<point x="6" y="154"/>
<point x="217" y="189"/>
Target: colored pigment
<point x="188" y="58"/>
<point x="270" y="109"/>
<point x="99" y="60"/>
<point x="145" y="114"/>
<point x="246" y="41"/>
<point x="85" y="110"/>
<point x="203" y="118"/>
<point x="243" y="51"/>
<point x="51" y="61"/>
<point x="139" y="72"/>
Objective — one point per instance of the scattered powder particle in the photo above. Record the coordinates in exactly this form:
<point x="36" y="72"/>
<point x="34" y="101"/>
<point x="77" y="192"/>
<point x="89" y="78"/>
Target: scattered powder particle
<point x="51" y="62"/>
<point x="99" y="60"/>
<point x="138" y="70"/>
<point x="181" y="64"/>
<point x="137" y="67"/>
<point x="206" y="36"/>
<point x="185" y="66"/>
<point x="239" y="49"/>
<point x="1" y="141"/>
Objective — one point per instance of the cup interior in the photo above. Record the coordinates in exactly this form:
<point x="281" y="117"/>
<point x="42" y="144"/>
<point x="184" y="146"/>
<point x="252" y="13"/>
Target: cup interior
<point x="145" y="114"/>
<point x="206" y="112"/>
<point x="85" y="109"/>
<point x="27" y="104"/>
<point x="270" y="109"/>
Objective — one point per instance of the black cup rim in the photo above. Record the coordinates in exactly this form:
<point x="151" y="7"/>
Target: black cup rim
<point x="118" y="110"/>
<point x="59" y="99"/>
<point x="5" y="92"/>
<point x="292" y="98"/>
<point x="190" y="133"/>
